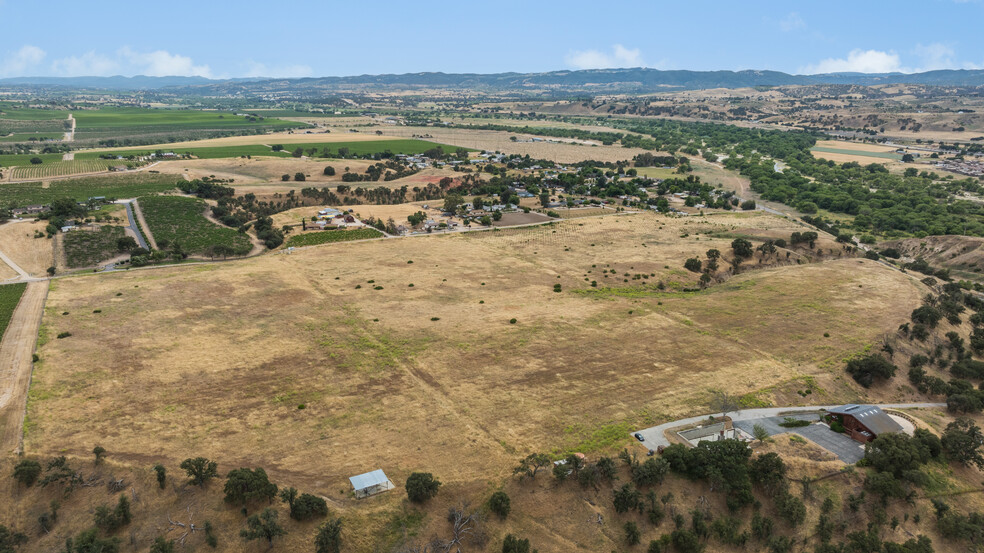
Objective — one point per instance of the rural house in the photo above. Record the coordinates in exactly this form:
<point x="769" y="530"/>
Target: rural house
<point x="864" y="423"/>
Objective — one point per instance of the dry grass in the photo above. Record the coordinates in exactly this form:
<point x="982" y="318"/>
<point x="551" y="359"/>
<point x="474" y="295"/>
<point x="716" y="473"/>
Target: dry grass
<point x="214" y="360"/>
<point x="34" y="255"/>
<point x="229" y="351"/>
<point x="272" y="138"/>
<point x="499" y="141"/>
<point x="6" y="272"/>
<point x="264" y="169"/>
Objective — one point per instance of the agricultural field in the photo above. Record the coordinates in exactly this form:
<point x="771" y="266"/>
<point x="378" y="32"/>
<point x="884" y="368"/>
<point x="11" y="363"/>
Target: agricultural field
<point x="62" y="168"/>
<point x="31" y="137"/>
<point x="201" y="153"/>
<point x="361" y="147"/>
<point x="843" y="152"/>
<point x="10" y="294"/>
<point x="112" y="186"/>
<point x="31" y="122"/>
<point x="181" y="220"/>
<point x="85" y="248"/>
<point x="11" y="160"/>
<point x="499" y="141"/>
<point x="328" y="236"/>
<point x="263" y="170"/>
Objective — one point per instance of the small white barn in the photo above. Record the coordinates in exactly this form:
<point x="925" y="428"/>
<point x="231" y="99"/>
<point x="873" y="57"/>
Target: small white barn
<point x="370" y="483"/>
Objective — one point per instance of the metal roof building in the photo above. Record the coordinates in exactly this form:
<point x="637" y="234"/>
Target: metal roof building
<point x="865" y="422"/>
<point x="370" y="483"/>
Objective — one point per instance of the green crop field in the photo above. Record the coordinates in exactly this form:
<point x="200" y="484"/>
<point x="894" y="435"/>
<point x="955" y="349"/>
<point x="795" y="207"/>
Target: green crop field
<point x="62" y="168"/>
<point x="202" y="153"/>
<point x="883" y="155"/>
<point x="177" y="219"/>
<point x="27" y="136"/>
<point x="30" y="114"/>
<point x="116" y="118"/>
<point x="326" y="236"/>
<point x="84" y="248"/>
<point x="397" y="146"/>
<point x="10" y="294"/>
<point x="10" y="160"/>
<point x="80" y="189"/>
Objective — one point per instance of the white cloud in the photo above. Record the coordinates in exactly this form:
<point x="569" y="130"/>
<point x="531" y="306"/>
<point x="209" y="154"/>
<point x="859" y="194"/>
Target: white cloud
<point x="88" y="64"/>
<point x="258" y="69"/>
<point x="859" y="61"/>
<point x="594" y="59"/>
<point x="935" y="56"/>
<point x="792" y="22"/>
<point x="161" y="63"/>
<point x="23" y="62"/>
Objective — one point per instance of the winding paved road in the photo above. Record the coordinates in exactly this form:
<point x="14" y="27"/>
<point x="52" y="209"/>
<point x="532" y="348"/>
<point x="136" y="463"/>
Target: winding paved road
<point x="654" y="436"/>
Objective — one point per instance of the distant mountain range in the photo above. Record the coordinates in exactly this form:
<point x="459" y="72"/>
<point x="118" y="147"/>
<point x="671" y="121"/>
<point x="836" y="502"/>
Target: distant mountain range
<point x="626" y="80"/>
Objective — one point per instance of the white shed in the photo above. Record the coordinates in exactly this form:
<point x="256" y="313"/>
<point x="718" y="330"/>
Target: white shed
<point x="370" y="483"/>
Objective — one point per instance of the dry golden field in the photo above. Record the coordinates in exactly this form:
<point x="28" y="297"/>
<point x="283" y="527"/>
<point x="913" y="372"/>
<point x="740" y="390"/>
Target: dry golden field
<point x="499" y="141"/>
<point x="270" y="138"/>
<point x="264" y="169"/>
<point x="34" y="255"/>
<point x="215" y="359"/>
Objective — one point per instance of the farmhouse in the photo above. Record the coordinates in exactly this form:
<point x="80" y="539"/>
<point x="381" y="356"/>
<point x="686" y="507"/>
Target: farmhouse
<point x="370" y="483"/>
<point x="29" y="209"/>
<point x="864" y="423"/>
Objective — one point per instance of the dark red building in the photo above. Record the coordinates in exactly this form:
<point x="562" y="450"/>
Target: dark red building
<point x="864" y="422"/>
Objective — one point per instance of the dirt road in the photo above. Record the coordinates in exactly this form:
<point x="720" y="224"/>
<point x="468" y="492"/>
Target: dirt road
<point x="70" y="136"/>
<point x="16" y="364"/>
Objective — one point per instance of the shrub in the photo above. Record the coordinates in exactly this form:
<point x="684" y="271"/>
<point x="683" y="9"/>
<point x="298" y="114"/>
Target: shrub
<point x="512" y="321"/>
<point x="499" y="504"/>
<point x="112" y="520"/>
<point x="161" y="475"/>
<point x="244" y="485"/>
<point x="27" y="471"/>
<point x="512" y="544"/>
<point x="632" y="534"/>
<point x="308" y="506"/>
<point x="329" y="538"/>
<point x="422" y="486"/>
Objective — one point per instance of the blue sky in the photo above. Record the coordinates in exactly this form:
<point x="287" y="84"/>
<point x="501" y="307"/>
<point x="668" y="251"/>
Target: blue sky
<point x="300" y="38"/>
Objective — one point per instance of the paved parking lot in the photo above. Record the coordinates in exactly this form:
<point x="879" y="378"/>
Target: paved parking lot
<point x="843" y="447"/>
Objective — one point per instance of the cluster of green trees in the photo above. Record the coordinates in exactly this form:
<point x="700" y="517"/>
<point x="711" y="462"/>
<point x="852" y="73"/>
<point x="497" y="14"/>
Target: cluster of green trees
<point x="244" y="487"/>
<point x="880" y="202"/>
<point x="948" y="306"/>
